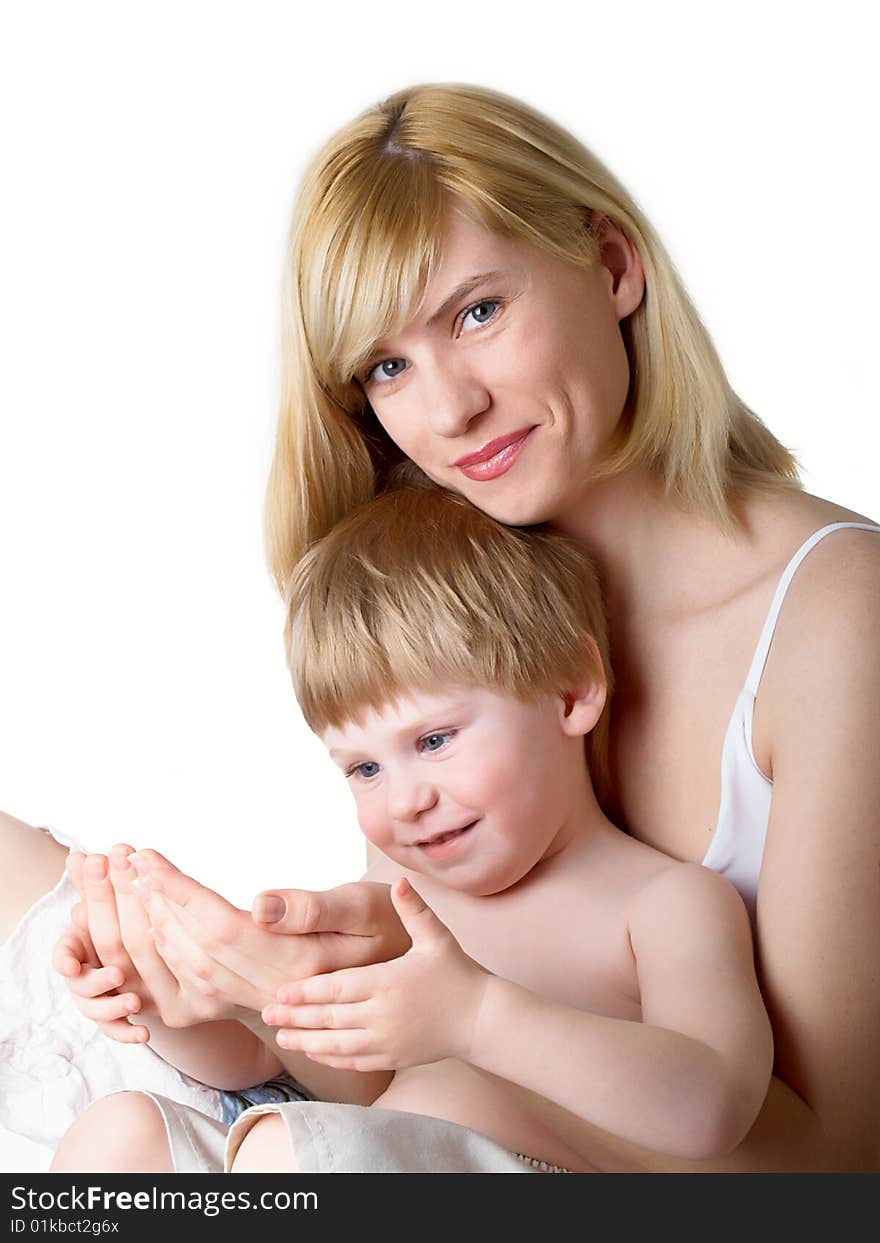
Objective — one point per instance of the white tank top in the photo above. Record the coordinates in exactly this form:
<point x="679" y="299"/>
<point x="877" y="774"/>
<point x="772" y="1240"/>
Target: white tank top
<point x="738" y="841"/>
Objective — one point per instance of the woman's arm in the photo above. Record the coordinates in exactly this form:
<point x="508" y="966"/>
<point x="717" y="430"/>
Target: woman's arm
<point x="818" y="918"/>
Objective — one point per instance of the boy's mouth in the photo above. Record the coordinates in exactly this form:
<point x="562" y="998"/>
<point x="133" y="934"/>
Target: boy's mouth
<point x="436" y="844"/>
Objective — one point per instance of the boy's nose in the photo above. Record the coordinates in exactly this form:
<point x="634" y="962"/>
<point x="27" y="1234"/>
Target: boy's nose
<point x="407" y="800"/>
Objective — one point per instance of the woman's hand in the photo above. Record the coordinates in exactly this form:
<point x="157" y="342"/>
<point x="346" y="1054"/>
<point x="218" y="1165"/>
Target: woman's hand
<point x="417" y="1009"/>
<point x="226" y="956"/>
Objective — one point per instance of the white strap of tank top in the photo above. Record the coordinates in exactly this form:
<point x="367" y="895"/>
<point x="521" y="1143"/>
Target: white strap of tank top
<point x="760" y="658"/>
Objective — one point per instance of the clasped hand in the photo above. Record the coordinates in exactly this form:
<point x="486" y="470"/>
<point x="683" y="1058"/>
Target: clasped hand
<point x="155" y="943"/>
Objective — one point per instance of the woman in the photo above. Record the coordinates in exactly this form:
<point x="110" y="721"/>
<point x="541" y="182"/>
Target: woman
<point x="473" y="300"/>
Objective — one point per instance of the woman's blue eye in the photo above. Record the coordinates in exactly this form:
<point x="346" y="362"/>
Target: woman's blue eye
<point x="388" y="369"/>
<point x="481" y="312"/>
<point x="434" y="742"/>
<point x="366" y="770"/>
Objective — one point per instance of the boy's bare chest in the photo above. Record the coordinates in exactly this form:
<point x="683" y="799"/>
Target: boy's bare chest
<point x="560" y="940"/>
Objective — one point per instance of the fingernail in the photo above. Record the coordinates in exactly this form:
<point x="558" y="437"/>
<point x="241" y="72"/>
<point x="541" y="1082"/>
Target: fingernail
<point x="119" y="863"/>
<point x="139" y="863"/>
<point x="269" y="910"/>
<point x="96" y="867"/>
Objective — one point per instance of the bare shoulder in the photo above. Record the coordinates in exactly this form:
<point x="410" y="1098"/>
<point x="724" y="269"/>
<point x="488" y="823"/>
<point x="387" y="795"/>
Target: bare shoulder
<point x="684" y="900"/>
<point x="827" y="638"/>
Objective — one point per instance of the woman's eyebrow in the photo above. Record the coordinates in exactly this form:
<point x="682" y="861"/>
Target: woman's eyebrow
<point x="460" y="291"/>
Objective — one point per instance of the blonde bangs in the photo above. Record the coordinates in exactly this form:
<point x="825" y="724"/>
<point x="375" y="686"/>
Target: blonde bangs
<point x="365" y="256"/>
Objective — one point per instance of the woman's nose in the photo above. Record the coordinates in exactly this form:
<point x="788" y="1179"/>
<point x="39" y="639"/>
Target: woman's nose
<point x="408" y="799"/>
<point x="454" y="397"/>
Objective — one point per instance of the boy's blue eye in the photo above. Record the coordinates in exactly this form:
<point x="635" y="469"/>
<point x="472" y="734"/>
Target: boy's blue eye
<point x="434" y="742"/>
<point x="367" y="770"/>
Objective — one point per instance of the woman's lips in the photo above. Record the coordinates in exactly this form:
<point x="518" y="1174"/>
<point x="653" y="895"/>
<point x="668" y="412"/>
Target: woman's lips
<point x="494" y="458"/>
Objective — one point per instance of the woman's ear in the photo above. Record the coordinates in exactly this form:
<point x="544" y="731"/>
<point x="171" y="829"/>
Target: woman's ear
<point x="622" y="261"/>
<point x="581" y="705"/>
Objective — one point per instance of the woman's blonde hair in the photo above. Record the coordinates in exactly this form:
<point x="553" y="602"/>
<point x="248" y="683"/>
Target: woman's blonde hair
<point x="364" y="239"/>
<point x="419" y="588"/>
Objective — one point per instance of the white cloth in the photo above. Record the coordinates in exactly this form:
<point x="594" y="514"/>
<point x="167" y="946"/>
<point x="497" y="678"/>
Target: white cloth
<point x="737" y="845"/>
<point x="330" y="1138"/>
<point x="54" y="1062"/>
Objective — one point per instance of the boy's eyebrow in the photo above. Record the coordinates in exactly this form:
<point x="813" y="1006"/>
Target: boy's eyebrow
<point x="419" y="725"/>
<point x="461" y="291"/>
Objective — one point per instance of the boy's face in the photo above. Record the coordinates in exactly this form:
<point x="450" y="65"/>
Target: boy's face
<point x="467" y="785"/>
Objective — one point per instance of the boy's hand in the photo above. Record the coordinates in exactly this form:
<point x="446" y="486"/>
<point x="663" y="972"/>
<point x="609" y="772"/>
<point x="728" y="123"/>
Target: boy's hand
<point x="417" y="1009"/>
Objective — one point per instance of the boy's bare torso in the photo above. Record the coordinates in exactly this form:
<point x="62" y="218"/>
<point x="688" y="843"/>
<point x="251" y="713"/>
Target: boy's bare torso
<point x="562" y="932"/>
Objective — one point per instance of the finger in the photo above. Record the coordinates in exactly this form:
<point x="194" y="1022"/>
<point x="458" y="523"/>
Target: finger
<point x="351" y="985"/>
<point x="350" y="1043"/>
<point x="95" y="981"/>
<point x="103" y="916"/>
<point x="74" y="867"/>
<point x="79" y="919"/>
<point x="203" y="904"/>
<point x="220" y="931"/>
<point x="79" y="916"/>
<point x="134" y="921"/>
<point x="105" y="1009"/>
<point x="424" y="927"/>
<point x="124" y="1032"/>
<point x="155" y="978"/>
<point x="316" y="1018"/>
<point x="69" y="956"/>
<point x="348" y="908"/>
<point x="191" y="966"/>
<point x="363" y="1063"/>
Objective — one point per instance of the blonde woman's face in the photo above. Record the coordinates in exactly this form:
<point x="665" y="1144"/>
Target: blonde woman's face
<point x="508" y="384"/>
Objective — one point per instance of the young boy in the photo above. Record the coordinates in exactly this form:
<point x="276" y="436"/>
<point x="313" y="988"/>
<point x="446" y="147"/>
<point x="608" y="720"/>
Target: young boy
<point x="564" y="979"/>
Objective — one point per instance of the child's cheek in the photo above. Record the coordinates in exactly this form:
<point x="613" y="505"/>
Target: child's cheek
<point x="375" y="824"/>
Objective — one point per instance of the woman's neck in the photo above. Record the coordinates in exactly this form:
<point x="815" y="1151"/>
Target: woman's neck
<point x="654" y="556"/>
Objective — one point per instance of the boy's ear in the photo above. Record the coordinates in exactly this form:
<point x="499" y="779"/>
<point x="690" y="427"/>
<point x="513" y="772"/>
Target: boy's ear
<point x="581" y="706"/>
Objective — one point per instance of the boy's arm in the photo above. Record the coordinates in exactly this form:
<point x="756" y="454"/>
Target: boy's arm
<point x="690" y="1078"/>
<point x="223" y="1055"/>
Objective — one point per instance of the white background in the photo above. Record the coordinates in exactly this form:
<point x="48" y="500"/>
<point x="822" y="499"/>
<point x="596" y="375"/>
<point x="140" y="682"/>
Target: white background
<point x="149" y="159"/>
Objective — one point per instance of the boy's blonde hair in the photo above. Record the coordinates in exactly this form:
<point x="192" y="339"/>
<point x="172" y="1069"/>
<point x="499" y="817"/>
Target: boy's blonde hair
<point x="419" y="588"/>
<point x="364" y="240"/>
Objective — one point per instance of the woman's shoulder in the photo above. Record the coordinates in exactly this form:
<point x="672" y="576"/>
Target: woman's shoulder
<point x="847" y="559"/>
<point x="826" y="644"/>
<point x="842" y="568"/>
